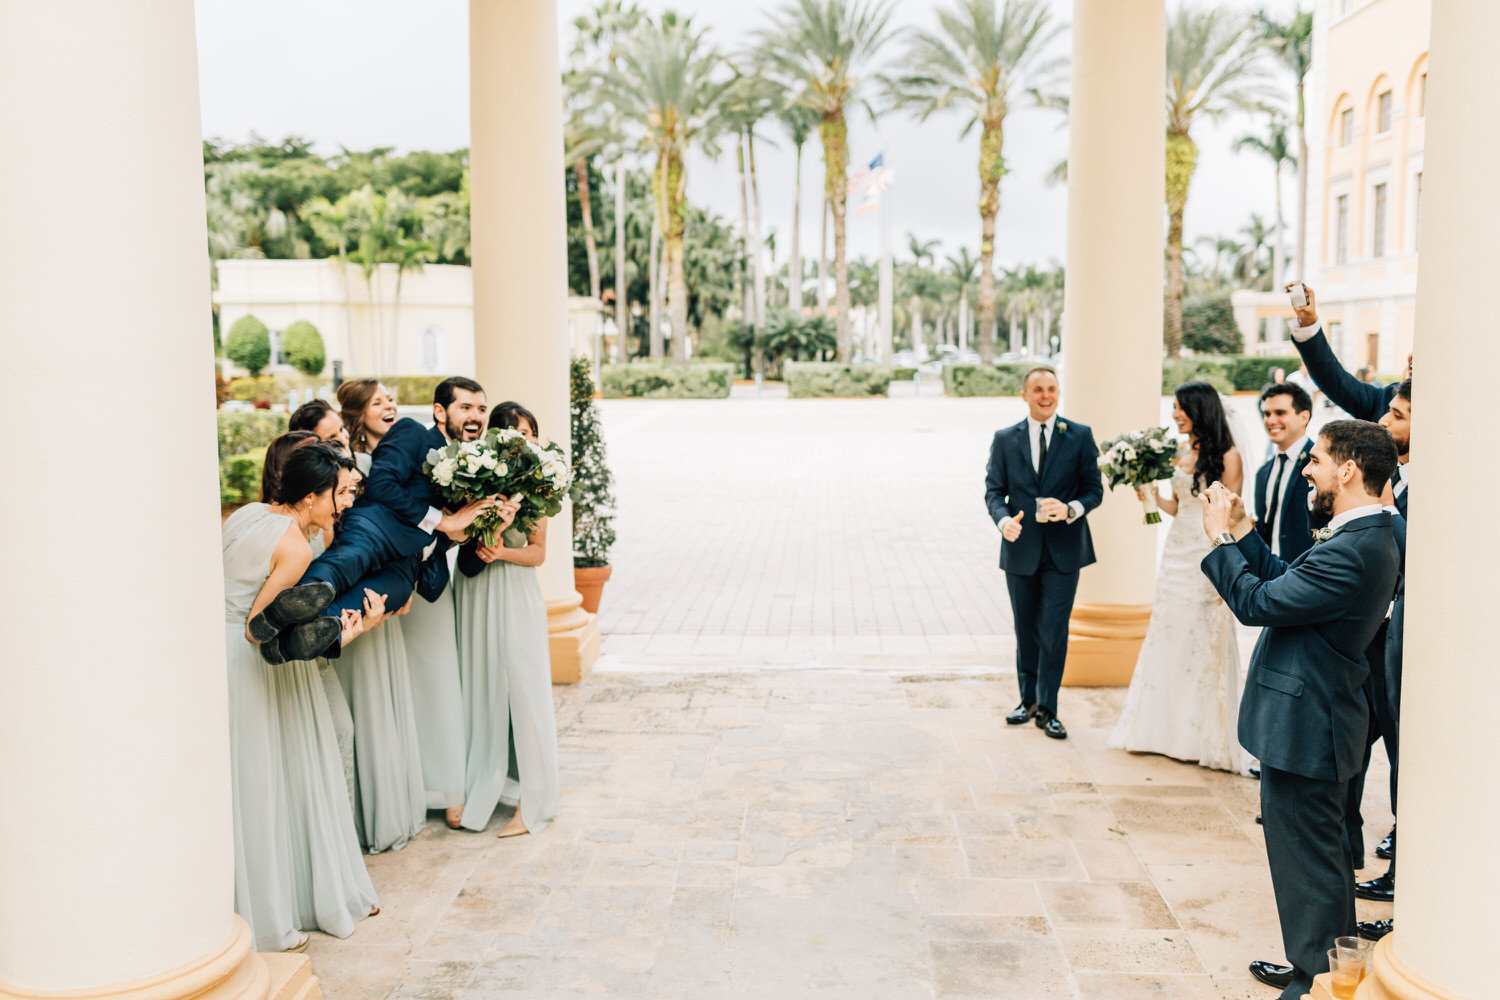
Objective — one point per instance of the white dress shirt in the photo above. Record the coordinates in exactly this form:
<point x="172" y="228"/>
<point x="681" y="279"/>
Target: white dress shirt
<point x="1403" y="471"/>
<point x="1034" y="430"/>
<point x="1273" y="504"/>
<point x="1367" y="510"/>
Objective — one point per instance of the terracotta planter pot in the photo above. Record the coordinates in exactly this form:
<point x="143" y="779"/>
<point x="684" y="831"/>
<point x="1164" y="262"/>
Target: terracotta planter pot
<point x="590" y="584"/>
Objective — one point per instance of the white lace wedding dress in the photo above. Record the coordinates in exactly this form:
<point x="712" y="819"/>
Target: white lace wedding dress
<point x="1184" y="699"/>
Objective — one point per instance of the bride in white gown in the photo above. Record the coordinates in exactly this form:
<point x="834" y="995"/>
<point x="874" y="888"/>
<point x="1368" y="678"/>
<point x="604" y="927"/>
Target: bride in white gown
<point x="1184" y="697"/>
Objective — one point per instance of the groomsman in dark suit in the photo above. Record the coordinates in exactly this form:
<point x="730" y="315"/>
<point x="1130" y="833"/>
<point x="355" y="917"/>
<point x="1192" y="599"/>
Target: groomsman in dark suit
<point x="1041" y="482"/>
<point x="1304" y="712"/>
<point x="1390" y="405"/>
<point x="1280" y="490"/>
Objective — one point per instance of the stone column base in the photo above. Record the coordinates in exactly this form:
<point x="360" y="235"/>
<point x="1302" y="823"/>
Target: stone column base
<point x="1389" y="978"/>
<point x="1104" y="641"/>
<point x="573" y="637"/>
<point x="230" y="972"/>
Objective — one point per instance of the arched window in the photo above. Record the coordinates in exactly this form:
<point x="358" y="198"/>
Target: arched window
<point x="433" y="358"/>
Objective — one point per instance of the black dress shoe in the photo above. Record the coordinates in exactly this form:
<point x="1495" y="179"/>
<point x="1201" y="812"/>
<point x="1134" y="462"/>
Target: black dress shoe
<point x="292" y="606"/>
<point x="1255" y="772"/>
<point x="1381" y="889"/>
<point x="1387" y="848"/>
<point x="302" y="642"/>
<point x="1260" y="819"/>
<point x="1049" y="724"/>
<point x="1279" y="976"/>
<point x="1374" y="930"/>
<point x="1023" y="713"/>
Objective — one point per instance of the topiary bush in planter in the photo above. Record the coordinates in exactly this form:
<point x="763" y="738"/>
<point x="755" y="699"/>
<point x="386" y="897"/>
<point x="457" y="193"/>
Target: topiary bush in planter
<point x="829" y="379"/>
<point x="302" y="346"/>
<point x="249" y="344"/>
<point x="593" y="489"/>
<point x="656" y="380"/>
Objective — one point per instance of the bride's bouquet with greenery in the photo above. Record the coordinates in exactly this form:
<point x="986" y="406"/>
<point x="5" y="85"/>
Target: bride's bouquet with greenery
<point x="502" y="463"/>
<point x="1140" y="458"/>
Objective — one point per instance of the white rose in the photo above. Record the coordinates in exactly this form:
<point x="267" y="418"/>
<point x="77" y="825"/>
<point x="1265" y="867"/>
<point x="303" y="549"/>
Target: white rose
<point x="443" y="474"/>
<point x="501" y="469"/>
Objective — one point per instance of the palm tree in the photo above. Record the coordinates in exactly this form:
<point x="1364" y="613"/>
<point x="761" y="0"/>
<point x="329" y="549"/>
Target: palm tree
<point x="819" y="48"/>
<point x="748" y="102"/>
<point x="982" y="60"/>
<point x="600" y="37"/>
<point x="1290" y="42"/>
<point x="1250" y="265"/>
<point x="799" y="121"/>
<point x="962" y="268"/>
<point x="1213" y="68"/>
<point x="1273" y="146"/>
<point x="667" y="87"/>
<point x="1221" y="248"/>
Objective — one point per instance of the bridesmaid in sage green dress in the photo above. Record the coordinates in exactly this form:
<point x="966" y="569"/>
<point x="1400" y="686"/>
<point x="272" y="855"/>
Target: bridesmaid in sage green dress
<point x="432" y="655"/>
<point x="505" y="664"/>
<point x="266" y="550"/>
<point x="390" y="800"/>
<point x="332" y="889"/>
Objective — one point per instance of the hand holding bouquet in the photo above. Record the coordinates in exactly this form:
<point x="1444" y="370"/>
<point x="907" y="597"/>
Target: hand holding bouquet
<point x="502" y="463"/>
<point x="1140" y="459"/>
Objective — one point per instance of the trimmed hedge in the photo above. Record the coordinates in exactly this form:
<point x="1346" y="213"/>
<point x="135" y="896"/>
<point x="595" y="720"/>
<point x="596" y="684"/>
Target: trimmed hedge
<point x="1227" y="374"/>
<point x="240" y="433"/>
<point x="412" y="390"/>
<point x="249" y="344"/>
<point x="826" y="379"/>
<point x="239" y="478"/>
<point x="984" y="380"/>
<point x="302" y="346"/>
<point x="256" y="387"/>
<point x="1252" y="374"/>
<point x="654" y="380"/>
<point x="899" y="374"/>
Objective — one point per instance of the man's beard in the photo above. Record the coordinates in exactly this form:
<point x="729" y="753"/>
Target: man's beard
<point x="1322" y="504"/>
<point x="1403" y="447"/>
<point x="456" y="429"/>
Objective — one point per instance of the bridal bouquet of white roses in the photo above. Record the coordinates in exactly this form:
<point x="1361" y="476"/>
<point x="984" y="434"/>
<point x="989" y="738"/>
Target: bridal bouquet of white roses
<point x="1140" y="458"/>
<point x="502" y="462"/>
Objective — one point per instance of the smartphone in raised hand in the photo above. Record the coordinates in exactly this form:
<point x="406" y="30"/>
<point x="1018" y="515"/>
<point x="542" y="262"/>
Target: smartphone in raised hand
<point x="1298" y="292"/>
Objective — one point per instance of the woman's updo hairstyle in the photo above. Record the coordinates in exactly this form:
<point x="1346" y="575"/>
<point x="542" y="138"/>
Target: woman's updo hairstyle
<point x="510" y="415"/>
<point x="309" y="471"/>
<point x="276" y="453"/>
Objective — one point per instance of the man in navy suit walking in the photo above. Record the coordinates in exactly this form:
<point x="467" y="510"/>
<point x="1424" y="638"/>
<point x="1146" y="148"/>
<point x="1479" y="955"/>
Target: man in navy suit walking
<point x="1280" y="490"/>
<point x="1304" y="713"/>
<point x="1042" y="481"/>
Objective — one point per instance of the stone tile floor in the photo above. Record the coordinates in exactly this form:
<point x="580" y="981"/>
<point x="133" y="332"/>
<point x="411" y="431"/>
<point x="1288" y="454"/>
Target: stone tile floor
<point x="835" y="833"/>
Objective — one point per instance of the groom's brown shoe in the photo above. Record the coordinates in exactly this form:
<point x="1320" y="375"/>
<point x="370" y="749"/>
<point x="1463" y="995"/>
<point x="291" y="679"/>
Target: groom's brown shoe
<point x="1023" y="713"/>
<point x="292" y="606"/>
<point x="1279" y="976"/>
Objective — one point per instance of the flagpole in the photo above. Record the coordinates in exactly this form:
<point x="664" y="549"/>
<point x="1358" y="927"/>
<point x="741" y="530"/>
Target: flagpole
<point x="887" y="278"/>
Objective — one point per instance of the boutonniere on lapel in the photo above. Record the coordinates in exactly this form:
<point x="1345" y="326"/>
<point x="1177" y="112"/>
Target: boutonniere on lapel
<point x="1321" y="535"/>
<point x="1062" y="427"/>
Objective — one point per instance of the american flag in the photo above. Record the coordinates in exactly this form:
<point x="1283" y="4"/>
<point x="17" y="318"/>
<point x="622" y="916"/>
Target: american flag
<point x="868" y="181"/>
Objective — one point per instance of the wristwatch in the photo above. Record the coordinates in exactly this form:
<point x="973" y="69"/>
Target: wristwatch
<point x="1223" y="538"/>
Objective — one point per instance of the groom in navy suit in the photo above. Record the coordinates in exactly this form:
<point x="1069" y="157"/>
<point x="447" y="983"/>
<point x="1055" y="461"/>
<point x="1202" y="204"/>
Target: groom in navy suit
<point x="395" y="537"/>
<point x="1304" y="713"/>
<point x="1042" y="480"/>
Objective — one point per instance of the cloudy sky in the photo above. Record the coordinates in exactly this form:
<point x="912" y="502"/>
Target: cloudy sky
<point x="392" y="73"/>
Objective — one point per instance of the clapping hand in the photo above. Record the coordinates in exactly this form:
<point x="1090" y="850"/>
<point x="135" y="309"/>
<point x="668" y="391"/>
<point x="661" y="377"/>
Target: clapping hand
<point x="1055" y="510"/>
<point x="1223" y="512"/>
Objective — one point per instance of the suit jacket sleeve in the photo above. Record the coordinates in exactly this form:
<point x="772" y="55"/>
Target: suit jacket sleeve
<point x="996" y="486"/>
<point x="1360" y="400"/>
<point x="469" y="563"/>
<point x="396" y="460"/>
<point x="1259" y="558"/>
<point x="1090" y="481"/>
<point x="1316" y="590"/>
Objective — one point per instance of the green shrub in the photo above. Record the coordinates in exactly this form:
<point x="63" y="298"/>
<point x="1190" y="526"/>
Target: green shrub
<point x="1214" y="371"/>
<point x="412" y="390"/>
<point x="980" y="380"/>
<point x="1208" y="326"/>
<point x="902" y="374"/>
<point x="828" y="379"/>
<point x="655" y="380"/>
<point x="249" y="344"/>
<point x="239" y="477"/>
<point x="593" y="484"/>
<point x="302" y="346"/>
<point x="243" y="432"/>
<point x="248" y="390"/>
<point x="1254" y="374"/>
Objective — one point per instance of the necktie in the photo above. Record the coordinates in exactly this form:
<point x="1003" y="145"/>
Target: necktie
<point x="1273" y="499"/>
<point x="1041" y="452"/>
<point x="1396" y="481"/>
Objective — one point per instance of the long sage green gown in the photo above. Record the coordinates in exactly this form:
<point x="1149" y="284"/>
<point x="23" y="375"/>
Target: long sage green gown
<point x="332" y="889"/>
<point x="263" y="893"/>
<point x="432" y="659"/>
<point x="506" y="669"/>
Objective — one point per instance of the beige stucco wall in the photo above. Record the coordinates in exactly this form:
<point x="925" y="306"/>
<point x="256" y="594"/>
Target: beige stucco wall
<point x="1362" y="48"/>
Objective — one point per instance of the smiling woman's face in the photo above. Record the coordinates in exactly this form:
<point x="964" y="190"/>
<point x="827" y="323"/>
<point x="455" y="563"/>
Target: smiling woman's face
<point x="380" y="413"/>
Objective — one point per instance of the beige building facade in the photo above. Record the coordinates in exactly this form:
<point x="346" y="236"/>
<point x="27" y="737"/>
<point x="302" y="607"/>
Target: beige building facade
<point x="1366" y="123"/>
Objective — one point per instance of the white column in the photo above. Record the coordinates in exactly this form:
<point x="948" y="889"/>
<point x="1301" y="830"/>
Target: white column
<point x="1451" y="689"/>
<point x="1113" y="299"/>
<point x="116" y="854"/>
<point x="519" y="223"/>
